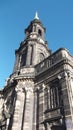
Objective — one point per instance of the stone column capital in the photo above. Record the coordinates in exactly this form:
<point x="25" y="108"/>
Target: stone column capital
<point x="28" y="89"/>
<point x="22" y="90"/>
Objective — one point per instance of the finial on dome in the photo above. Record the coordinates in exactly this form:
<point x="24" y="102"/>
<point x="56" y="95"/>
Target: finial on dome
<point x="36" y="15"/>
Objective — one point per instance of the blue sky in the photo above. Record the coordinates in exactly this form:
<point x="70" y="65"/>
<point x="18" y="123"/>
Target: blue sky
<point x="15" y="16"/>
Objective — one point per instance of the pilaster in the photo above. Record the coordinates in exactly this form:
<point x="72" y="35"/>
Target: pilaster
<point x="66" y="82"/>
<point x="19" y="106"/>
<point x="23" y="112"/>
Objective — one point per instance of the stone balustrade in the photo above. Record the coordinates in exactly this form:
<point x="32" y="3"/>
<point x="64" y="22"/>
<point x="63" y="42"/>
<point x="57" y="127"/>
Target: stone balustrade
<point x="55" y="58"/>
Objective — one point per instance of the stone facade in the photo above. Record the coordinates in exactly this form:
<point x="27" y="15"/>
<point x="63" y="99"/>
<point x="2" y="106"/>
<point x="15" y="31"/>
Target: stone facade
<point x="38" y="95"/>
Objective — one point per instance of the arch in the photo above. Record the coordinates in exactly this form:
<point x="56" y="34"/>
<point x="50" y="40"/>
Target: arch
<point x="41" y="57"/>
<point x="39" y="32"/>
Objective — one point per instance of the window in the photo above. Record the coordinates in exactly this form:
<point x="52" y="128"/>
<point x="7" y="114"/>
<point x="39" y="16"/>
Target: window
<point x="34" y="28"/>
<point x="52" y="96"/>
<point x="42" y="57"/>
<point x="23" y="58"/>
<point x="40" y="32"/>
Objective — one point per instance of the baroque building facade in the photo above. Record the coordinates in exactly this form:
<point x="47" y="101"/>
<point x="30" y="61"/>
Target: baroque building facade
<point x="38" y="95"/>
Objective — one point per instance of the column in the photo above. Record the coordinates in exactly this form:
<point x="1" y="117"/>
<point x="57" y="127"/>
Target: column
<point x="69" y="118"/>
<point x="28" y="116"/>
<point x="64" y="82"/>
<point x="18" y="111"/>
<point x="43" y="87"/>
<point x="34" y="111"/>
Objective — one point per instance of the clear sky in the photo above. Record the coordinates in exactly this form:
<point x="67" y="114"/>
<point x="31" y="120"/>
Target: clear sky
<point x="15" y="16"/>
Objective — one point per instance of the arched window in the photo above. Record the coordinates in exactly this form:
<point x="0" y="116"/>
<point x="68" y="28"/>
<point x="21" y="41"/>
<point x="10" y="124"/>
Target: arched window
<point x="40" y="32"/>
<point x="34" y="28"/>
<point x="42" y="57"/>
<point x="23" y="58"/>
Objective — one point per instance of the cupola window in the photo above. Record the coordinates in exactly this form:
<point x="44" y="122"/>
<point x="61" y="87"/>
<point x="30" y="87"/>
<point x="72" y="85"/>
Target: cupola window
<point x="40" y="32"/>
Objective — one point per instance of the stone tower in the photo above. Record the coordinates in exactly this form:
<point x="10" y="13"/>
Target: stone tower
<point x="38" y="95"/>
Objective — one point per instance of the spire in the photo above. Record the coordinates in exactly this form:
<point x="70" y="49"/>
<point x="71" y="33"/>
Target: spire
<point x="36" y="15"/>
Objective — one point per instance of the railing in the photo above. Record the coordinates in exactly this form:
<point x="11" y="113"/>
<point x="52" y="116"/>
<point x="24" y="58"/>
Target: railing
<point x="55" y="58"/>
